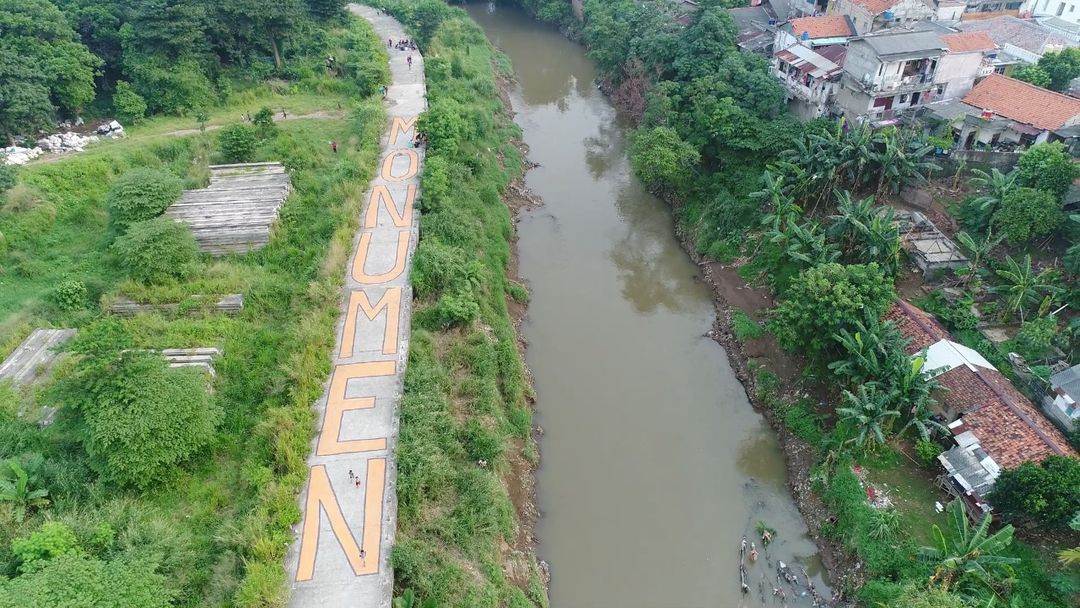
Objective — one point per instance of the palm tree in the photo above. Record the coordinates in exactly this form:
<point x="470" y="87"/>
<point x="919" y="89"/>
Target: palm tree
<point x="866" y="233"/>
<point x="867" y="350"/>
<point x="856" y="153"/>
<point x="972" y="554"/>
<point x="16" y="487"/>
<point x="1022" y="287"/>
<point x="805" y="243"/>
<point x="996" y="185"/>
<point x="902" y="160"/>
<point x="782" y="207"/>
<point x="870" y="414"/>
<point x="977" y="250"/>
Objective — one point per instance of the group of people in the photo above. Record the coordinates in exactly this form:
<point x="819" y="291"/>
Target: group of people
<point x="401" y="45"/>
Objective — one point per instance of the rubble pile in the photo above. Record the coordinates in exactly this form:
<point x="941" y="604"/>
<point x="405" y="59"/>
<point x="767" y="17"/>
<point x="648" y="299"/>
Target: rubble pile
<point x="110" y="129"/>
<point x="14" y="155"/>
<point x="65" y="142"/>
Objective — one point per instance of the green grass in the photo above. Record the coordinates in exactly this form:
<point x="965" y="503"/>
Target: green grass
<point x="219" y="528"/>
<point x="744" y="327"/>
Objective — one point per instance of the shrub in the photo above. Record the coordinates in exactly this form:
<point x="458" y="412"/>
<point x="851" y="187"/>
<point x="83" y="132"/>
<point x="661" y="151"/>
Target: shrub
<point x="1036" y="337"/>
<point x="7" y="177"/>
<point x="157" y="251"/>
<point x="264" y="122"/>
<point x="128" y="105"/>
<point x="238" y="142"/>
<point x="140" y="417"/>
<point x="141" y="194"/>
<point x="1047" y="493"/>
<point x="1048" y="167"/>
<point x="70" y="295"/>
<point x="73" y="579"/>
<point x="456" y="310"/>
<point x="52" y="539"/>
<point x="1027" y="213"/>
<point x="927" y="452"/>
<point x="827" y="298"/>
<point x="744" y="327"/>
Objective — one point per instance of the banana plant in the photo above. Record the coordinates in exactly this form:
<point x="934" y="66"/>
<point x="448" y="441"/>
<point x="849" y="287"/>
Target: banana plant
<point x="970" y="555"/>
<point x="17" y="488"/>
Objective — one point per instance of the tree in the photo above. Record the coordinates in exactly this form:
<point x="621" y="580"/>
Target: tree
<point x="38" y="34"/>
<point x="995" y="185"/>
<point x="157" y="251"/>
<point x="140" y="418"/>
<point x="825" y="299"/>
<point x="238" y="142"/>
<point x="19" y="489"/>
<point x="1022" y="287"/>
<point x="1048" y="167"/>
<point x="866" y="233"/>
<point x="1036" y="337"/>
<point x="1027" y="213"/>
<point x="141" y="194"/>
<point x="869" y="413"/>
<point x="264" y="122"/>
<point x="662" y="159"/>
<point x="74" y="580"/>
<point x="1033" y="74"/>
<point x="128" y="105"/>
<point x="971" y="555"/>
<point x="1061" y="67"/>
<point x="1047" y="492"/>
<point x="324" y="10"/>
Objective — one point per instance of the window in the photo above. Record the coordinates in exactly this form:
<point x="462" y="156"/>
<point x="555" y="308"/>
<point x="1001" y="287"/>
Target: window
<point x="903" y="98"/>
<point x="1072" y="8"/>
<point x="1061" y="9"/>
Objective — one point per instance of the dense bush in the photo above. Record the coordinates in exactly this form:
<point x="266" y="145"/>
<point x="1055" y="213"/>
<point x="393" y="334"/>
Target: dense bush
<point x="1027" y="213"/>
<point x="662" y="159"/>
<point x="1047" y="493"/>
<point x="1048" y="167"/>
<point x="238" y="142"/>
<point x="157" y="250"/>
<point x="141" y="194"/>
<point x="70" y="295"/>
<point x="7" y="177"/>
<point x="128" y="105"/>
<point x="142" y="418"/>
<point x="74" y="580"/>
<point x="264" y="123"/>
<point x="827" y="298"/>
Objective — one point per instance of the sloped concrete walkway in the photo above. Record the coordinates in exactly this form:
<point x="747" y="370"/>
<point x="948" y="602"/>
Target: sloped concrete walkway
<point x="341" y="551"/>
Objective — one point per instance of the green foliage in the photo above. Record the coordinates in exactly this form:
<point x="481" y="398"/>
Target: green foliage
<point x="264" y="127"/>
<point x="927" y="452"/>
<point x="70" y="295"/>
<point x="744" y="327"/>
<point x="1036" y="337"/>
<point x="73" y="580"/>
<point x="1021" y="287"/>
<point x="455" y="310"/>
<point x="7" y="177"/>
<point x="157" y="251"/>
<point x="1060" y="68"/>
<point x="128" y="105"/>
<point x="826" y="299"/>
<point x="1027" y="213"/>
<point x="51" y="540"/>
<point x="1047" y="493"/>
<point x="20" y="489"/>
<point x="1033" y="74"/>
<point x="1048" y="167"/>
<point x="139" y="195"/>
<point x="870" y="415"/>
<point x="237" y="142"/>
<point x="970" y="555"/>
<point x="662" y="159"/>
<point x="141" y="418"/>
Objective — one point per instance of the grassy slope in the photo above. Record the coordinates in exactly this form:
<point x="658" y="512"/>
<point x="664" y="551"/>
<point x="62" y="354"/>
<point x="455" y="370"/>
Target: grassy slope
<point x="220" y="528"/>
<point x="465" y="387"/>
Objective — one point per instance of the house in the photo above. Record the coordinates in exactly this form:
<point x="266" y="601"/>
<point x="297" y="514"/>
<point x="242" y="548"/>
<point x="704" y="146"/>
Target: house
<point x="872" y="15"/>
<point x="822" y="30"/>
<point x="1004" y="110"/>
<point x="1061" y="27"/>
<point x="950" y="10"/>
<point x="1063" y="10"/>
<point x="994" y="426"/>
<point x="1065" y="390"/>
<point x="968" y="58"/>
<point x="889" y="71"/>
<point x="1026" y="40"/>
<point x="753" y="24"/>
<point x="810" y="76"/>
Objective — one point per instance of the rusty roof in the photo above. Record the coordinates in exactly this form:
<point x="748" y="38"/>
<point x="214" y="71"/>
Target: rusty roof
<point x="1023" y="102"/>
<point x="825" y="26"/>
<point x="876" y="7"/>
<point x="967" y="42"/>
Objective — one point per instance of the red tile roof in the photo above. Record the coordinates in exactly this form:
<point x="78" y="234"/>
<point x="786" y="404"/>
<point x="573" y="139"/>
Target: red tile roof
<point x="825" y="26"/>
<point x="876" y="7"/>
<point x="1023" y="102"/>
<point x="978" y="16"/>
<point x="966" y="42"/>
<point x="1009" y="427"/>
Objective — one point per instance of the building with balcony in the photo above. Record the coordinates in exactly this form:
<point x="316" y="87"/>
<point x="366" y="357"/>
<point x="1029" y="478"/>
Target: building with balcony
<point x="873" y="15"/>
<point x="888" y="72"/>
<point x="810" y="76"/>
<point x="969" y="57"/>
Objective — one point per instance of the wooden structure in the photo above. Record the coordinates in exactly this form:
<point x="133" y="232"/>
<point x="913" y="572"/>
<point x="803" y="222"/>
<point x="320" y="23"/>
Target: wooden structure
<point x="235" y="212"/>
<point x="35" y="357"/>
<point x="192" y="357"/>
<point x="231" y="304"/>
<point x="927" y="246"/>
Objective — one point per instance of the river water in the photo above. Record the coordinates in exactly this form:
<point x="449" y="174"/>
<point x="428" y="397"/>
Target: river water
<point x="653" y="463"/>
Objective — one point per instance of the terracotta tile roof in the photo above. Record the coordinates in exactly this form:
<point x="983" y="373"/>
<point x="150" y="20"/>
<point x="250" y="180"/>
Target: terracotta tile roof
<point x="979" y="16"/>
<point x="1023" y="102"/>
<point x="876" y="7"/>
<point x="825" y="26"/>
<point x="917" y="325"/>
<point x="1009" y="427"/>
<point x="966" y="42"/>
<point x="1027" y="35"/>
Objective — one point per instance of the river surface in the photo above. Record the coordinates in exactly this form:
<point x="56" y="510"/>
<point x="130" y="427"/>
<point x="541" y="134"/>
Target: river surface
<point x="653" y="463"/>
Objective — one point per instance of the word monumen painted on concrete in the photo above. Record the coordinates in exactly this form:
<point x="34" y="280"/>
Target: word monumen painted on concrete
<point x="340" y="556"/>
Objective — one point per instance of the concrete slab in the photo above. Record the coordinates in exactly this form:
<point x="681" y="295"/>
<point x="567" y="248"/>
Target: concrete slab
<point x="341" y="550"/>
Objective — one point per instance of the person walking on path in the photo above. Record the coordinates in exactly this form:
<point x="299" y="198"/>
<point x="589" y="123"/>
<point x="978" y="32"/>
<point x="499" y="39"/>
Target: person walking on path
<point x="357" y="482"/>
<point x="363" y="558"/>
<point x="409" y="59"/>
<point x="333" y="145"/>
<point x="351" y="476"/>
<point x="283" y="114"/>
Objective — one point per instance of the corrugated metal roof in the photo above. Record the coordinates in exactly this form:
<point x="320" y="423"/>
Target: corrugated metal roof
<point x="808" y="62"/>
<point x="1069" y="381"/>
<point x="896" y="45"/>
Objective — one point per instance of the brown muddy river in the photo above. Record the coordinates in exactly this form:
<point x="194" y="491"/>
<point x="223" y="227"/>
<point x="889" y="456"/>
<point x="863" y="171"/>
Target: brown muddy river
<point x="654" y="465"/>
